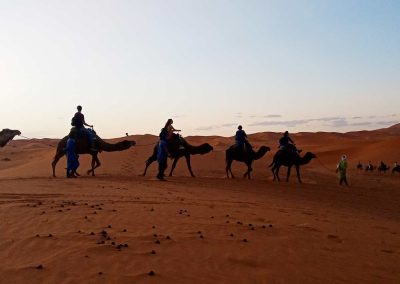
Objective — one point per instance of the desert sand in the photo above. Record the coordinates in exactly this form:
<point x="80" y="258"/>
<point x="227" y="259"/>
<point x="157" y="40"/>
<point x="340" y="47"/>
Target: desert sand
<point x="119" y="227"/>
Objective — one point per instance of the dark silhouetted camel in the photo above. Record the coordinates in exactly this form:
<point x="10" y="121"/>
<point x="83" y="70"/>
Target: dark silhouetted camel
<point x="289" y="159"/>
<point x="383" y="168"/>
<point x="6" y="135"/>
<point x="177" y="150"/>
<point x="83" y="147"/>
<point x="236" y="153"/>
<point x="396" y="169"/>
<point x="370" y="168"/>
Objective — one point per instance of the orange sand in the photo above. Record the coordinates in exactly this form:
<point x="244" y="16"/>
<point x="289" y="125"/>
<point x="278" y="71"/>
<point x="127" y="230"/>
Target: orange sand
<point x="314" y="232"/>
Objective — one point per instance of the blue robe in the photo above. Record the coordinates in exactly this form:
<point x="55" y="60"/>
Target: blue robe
<point x="72" y="156"/>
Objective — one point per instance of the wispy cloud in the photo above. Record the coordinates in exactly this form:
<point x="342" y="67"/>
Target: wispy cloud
<point x="179" y="115"/>
<point x="296" y="122"/>
<point x="266" y="116"/>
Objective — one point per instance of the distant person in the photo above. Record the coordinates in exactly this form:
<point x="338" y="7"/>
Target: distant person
<point x="342" y="170"/>
<point x="286" y="143"/>
<point x="72" y="157"/>
<point x="369" y="167"/>
<point x="241" y="140"/>
<point x="162" y="154"/>
<point x="79" y="122"/>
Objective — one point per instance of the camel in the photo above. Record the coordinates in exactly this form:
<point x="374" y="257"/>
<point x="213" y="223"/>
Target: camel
<point x="359" y="166"/>
<point x="83" y="147"/>
<point x="396" y="169"/>
<point x="6" y="135"/>
<point x="370" y="168"/>
<point x="248" y="157"/>
<point x="289" y="159"/>
<point x="177" y="149"/>
<point x="383" y="168"/>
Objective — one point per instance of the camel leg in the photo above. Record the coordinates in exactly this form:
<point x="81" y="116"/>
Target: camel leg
<point x="229" y="168"/>
<point x="288" y="172"/>
<point x="277" y="173"/>
<point x="95" y="164"/>
<point x="149" y="161"/>
<point x="173" y="166"/>
<point x="249" y="169"/>
<point x="57" y="157"/>
<point x="273" y="173"/>
<point x="189" y="165"/>
<point x="298" y="173"/>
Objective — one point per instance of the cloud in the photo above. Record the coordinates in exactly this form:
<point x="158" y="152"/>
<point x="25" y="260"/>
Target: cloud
<point x="206" y="128"/>
<point x="387" y="123"/>
<point x="215" y="127"/>
<point x="228" y="125"/>
<point x="294" y="123"/>
<point x="266" y="116"/>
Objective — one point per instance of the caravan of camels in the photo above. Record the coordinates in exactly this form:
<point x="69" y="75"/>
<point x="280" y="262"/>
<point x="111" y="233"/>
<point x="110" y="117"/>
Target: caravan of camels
<point x="177" y="147"/>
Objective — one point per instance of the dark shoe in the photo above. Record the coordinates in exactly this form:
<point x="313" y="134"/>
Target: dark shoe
<point x="161" y="178"/>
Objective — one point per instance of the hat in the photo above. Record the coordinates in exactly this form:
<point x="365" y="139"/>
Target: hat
<point x="344" y="157"/>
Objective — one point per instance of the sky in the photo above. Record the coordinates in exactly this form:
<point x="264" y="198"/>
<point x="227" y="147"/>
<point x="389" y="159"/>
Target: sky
<point x="208" y="64"/>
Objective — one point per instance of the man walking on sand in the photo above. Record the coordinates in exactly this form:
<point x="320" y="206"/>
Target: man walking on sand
<point x="342" y="170"/>
<point x="162" y="154"/>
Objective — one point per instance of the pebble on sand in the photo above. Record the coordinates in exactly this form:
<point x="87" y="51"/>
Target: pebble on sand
<point x="245" y="240"/>
<point x="39" y="266"/>
<point x="50" y="235"/>
<point x="153" y="252"/>
<point x="152" y="273"/>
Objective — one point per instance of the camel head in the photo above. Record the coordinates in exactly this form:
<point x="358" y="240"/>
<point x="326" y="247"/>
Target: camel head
<point x="264" y="149"/>
<point x="126" y="144"/>
<point x="309" y="156"/>
<point x="6" y="135"/>
<point x="206" y="148"/>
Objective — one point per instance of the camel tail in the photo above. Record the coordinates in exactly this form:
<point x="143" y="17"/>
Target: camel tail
<point x="273" y="162"/>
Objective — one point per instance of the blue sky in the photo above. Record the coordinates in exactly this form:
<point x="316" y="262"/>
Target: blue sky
<point x="210" y="65"/>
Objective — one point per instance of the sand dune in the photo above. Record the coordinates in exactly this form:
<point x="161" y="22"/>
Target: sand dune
<point x="117" y="227"/>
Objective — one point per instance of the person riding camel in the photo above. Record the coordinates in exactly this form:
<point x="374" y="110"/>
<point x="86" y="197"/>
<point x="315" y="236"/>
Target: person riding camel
<point x="171" y="136"/>
<point x="241" y="140"/>
<point x="286" y="143"/>
<point x="79" y="122"/>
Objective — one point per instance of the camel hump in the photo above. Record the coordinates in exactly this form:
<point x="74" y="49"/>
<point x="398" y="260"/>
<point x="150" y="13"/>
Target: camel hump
<point x="233" y="147"/>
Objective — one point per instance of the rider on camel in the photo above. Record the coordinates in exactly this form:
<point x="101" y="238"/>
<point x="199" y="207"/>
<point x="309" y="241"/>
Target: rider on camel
<point x="286" y="143"/>
<point x="241" y="140"/>
<point x="79" y="122"/>
<point x="171" y="136"/>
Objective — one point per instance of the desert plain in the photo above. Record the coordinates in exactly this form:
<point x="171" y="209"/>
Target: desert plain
<point x="120" y="227"/>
